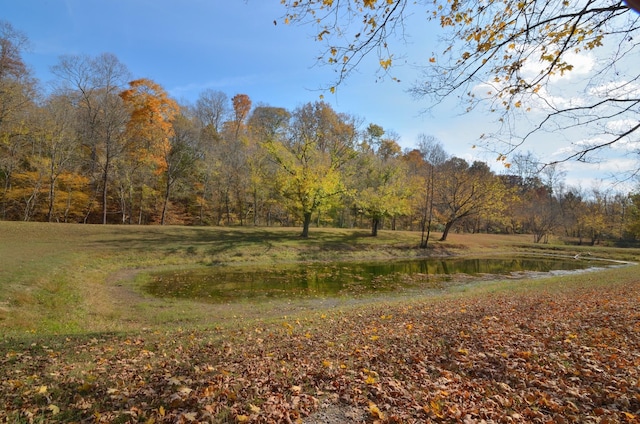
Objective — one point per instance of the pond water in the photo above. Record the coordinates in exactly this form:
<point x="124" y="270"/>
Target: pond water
<point x="232" y="283"/>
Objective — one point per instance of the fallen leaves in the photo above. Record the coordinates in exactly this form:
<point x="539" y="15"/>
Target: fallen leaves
<point x="568" y="356"/>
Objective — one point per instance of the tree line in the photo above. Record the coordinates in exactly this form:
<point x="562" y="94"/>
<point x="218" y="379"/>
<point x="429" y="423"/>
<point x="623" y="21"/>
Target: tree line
<point x="103" y="147"/>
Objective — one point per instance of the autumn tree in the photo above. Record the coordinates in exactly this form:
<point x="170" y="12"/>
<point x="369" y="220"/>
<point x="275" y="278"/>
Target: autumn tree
<point x="17" y="95"/>
<point x="60" y="156"/>
<point x="320" y="142"/>
<point x="464" y="190"/>
<point x="507" y="55"/>
<point x="211" y="111"/>
<point x="241" y="108"/>
<point x="149" y="130"/>
<point x="382" y="188"/>
<point x="633" y="222"/>
<point x="93" y="85"/>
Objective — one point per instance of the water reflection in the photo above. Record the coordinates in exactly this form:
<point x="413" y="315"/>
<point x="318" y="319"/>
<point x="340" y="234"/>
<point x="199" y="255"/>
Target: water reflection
<point x="224" y="284"/>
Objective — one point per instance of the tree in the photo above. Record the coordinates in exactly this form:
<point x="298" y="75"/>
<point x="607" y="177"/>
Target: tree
<point x="149" y="129"/>
<point x="180" y="159"/>
<point x="633" y="223"/>
<point x="60" y="154"/>
<point x="319" y="144"/>
<point x="241" y="109"/>
<point x="463" y="191"/>
<point x="94" y="85"/>
<point x="506" y="54"/>
<point x="432" y="154"/>
<point x="17" y="95"/>
<point x="382" y="190"/>
<point x="212" y="109"/>
<point x="267" y="125"/>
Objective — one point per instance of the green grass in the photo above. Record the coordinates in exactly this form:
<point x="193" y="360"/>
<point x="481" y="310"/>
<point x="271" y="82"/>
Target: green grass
<point x="81" y="279"/>
<point x="81" y="341"/>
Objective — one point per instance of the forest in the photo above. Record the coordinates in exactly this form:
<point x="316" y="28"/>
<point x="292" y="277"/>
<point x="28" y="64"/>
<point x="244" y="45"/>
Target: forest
<point x="104" y="147"/>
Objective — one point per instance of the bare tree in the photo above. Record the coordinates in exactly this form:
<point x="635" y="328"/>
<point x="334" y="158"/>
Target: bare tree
<point x="94" y="83"/>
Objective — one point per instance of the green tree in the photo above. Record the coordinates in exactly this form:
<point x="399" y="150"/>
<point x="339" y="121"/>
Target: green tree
<point x="382" y="179"/>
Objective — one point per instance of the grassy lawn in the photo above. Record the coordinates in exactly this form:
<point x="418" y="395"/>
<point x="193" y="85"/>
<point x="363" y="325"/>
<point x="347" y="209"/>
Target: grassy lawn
<point x="81" y="342"/>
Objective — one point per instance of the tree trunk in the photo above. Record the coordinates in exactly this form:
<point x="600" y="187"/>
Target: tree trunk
<point x="165" y="202"/>
<point x="52" y="194"/>
<point x="105" y="181"/>
<point x="305" y="225"/>
<point x="374" y="226"/>
<point x="445" y="233"/>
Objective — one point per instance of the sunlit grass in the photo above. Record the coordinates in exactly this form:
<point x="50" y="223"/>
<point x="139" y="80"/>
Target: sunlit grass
<point x="66" y="279"/>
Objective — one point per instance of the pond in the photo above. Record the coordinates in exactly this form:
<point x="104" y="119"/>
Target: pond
<point x="221" y="284"/>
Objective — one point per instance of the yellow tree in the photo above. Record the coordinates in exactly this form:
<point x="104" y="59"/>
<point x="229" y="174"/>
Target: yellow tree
<point x="320" y="142"/>
<point x="17" y="95"/>
<point x="59" y="152"/>
<point x="149" y="130"/>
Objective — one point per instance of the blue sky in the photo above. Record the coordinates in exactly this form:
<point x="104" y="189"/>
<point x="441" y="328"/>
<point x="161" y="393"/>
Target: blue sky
<point x="233" y="46"/>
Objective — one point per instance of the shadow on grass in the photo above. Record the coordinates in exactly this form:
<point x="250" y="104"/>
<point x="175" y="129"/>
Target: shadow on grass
<point x="219" y="241"/>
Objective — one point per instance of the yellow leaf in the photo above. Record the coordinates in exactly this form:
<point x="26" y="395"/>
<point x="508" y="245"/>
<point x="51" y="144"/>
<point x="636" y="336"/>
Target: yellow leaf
<point x="54" y="409"/>
<point x="375" y="411"/>
<point x="370" y="380"/>
<point x="42" y="390"/>
<point x="161" y="411"/>
<point x="242" y="418"/>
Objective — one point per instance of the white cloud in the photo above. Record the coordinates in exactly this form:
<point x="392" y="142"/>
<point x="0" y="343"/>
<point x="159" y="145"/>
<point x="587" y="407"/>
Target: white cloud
<point x="618" y="89"/>
<point x="583" y="63"/>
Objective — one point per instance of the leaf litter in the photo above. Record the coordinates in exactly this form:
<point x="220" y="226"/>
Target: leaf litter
<point x="565" y="356"/>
